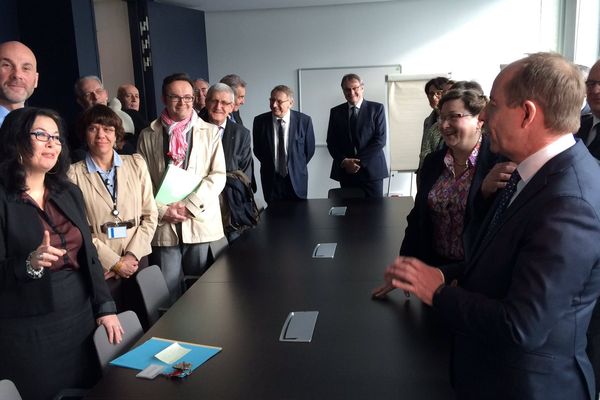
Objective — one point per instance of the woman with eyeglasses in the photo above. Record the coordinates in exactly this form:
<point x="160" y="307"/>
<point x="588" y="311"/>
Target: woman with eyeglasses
<point x="449" y="193"/>
<point x="119" y="202"/>
<point x="52" y="292"/>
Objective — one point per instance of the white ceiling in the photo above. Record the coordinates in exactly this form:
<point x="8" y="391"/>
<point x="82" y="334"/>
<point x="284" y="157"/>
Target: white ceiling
<point x="238" y="5"/>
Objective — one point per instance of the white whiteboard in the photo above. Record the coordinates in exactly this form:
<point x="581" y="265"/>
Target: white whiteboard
<point x="319" y="90"/>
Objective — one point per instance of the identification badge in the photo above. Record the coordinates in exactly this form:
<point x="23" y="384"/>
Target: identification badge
<point x="116" y="232"/>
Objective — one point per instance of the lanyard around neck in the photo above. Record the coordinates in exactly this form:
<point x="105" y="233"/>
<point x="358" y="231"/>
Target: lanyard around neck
<point x="113" y="194"/>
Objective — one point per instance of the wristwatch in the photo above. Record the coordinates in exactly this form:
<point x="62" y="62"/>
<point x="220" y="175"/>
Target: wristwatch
<point x="32" y="272"/>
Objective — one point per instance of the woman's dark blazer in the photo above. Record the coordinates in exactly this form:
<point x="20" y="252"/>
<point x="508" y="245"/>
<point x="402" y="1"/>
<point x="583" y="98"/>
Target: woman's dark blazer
<point x="21" y="232"/>
<point x="418" y="237"/>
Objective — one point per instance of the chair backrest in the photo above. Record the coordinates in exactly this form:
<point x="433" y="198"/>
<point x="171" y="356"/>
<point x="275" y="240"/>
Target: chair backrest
<point x="8" y="390"/>
<point x="107" y="351"/>
<point x="153" y="288"/>
<point x="346" y="193"/>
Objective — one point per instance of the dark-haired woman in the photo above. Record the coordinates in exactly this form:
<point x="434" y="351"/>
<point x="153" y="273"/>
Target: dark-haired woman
<point x="119" y="202"/>
<point x="52" y="292"/>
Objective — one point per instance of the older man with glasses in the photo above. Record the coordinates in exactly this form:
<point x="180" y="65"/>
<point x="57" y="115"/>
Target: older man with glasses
<point x="284" y="143"/>
<point x="179" y="139"/>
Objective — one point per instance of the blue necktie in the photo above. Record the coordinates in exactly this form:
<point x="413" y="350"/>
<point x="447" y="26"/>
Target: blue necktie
<point x="505" y="196"/>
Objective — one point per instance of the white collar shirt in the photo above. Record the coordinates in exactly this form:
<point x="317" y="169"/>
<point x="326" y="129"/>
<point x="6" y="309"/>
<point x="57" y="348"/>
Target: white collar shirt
<point x="357" y="105"/>
<point x="222" y="127"/>
<point x="532" y="164"/>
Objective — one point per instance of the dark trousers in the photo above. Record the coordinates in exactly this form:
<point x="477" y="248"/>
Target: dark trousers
<point x="373" y="189"/>
<point x="282" y="189"/>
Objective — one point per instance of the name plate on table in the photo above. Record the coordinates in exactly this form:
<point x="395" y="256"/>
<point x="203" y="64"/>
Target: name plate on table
<point x="299" y="326"/>
<point x="324" y="250"/>
<point x="338" y="211"/>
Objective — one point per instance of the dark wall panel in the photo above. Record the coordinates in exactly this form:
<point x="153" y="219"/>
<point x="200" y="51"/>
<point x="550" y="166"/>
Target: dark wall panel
<point x="65" y="48"/>
<point x="178" y="43"/>
<point x="9" y="26"/>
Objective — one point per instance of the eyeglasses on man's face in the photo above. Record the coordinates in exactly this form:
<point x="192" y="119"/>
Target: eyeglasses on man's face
<point x="95" y="93"/>
<point x="452" y="117"/>
<point x="173" y="98"/>
<point x="46" y="137"/>
<point x="278" y="102"/>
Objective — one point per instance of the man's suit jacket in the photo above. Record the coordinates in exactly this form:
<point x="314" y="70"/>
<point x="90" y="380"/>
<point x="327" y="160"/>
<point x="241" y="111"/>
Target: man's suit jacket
<point x="301" y="147"/>
<point x="237" y="118"/>
<point x="584" y="132"/>
<point x="237" y="149"/>
<point x="418" y="237"/>
<point x="369" y="142"/>
<point x="524" y="301"/>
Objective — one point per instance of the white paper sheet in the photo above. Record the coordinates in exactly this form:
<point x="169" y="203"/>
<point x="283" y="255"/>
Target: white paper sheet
<point x="172" y="353"/>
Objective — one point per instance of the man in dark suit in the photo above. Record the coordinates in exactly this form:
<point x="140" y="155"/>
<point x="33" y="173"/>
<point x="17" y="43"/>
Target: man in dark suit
<point x="589" y="132"/>
<point x="236" y="144"/>
<point x="524" y="300"/>
<point x="284" y="143"/>
<point x="239" y="89"/>
<point x="356" y="138"/>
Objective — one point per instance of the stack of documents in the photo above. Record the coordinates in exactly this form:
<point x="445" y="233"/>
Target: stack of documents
<point x="176" y="185"/>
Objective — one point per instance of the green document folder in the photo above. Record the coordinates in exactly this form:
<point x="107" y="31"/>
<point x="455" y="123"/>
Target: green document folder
<point x="176" y="185"/>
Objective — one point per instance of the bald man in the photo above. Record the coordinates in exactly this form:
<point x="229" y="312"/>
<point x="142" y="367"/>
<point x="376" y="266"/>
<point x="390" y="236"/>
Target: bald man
<point x="18" y="76"/>
<point x="129" y="96"/>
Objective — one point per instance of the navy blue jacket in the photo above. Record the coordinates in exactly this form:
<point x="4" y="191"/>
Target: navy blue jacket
<point x="301" y="148"/>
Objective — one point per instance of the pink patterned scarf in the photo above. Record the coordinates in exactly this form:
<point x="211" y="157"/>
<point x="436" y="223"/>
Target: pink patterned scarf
<point x="177" y="142"/>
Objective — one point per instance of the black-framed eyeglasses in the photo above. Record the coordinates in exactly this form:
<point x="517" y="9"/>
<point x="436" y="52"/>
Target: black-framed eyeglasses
<point x="453" y="117"/>
<point x="590" y="83"/>
<point x="46" y="137"/>
<point x="173" y="98"/>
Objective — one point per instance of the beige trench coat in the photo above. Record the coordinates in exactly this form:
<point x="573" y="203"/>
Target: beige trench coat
<point x="135" y="201"/>
<point x="207" y="160"/>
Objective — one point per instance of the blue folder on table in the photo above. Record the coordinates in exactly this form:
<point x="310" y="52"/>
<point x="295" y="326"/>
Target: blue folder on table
<point x="143" y="355"/>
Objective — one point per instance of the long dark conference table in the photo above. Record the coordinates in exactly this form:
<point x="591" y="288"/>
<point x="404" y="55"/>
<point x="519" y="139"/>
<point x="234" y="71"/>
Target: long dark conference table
<point x="360" y="349"/>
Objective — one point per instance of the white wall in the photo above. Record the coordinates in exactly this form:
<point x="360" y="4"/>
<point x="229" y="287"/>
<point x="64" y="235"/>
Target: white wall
<point x="470" y="38"/>
<point x="114" y="44"/>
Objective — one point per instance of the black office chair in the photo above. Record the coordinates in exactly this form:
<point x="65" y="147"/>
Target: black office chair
<point x="346" y="193"/>
<point x="107" y="351"/>
<point x="8" y="390"/>
<point x="155" y="293"/>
